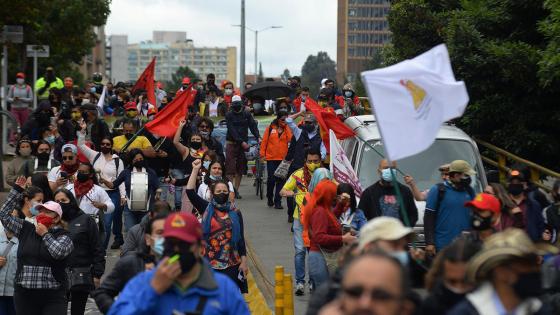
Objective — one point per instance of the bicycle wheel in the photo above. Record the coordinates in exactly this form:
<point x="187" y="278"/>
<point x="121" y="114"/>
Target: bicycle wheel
<point x="257" y="182"/>
<point x="261" y="181"/>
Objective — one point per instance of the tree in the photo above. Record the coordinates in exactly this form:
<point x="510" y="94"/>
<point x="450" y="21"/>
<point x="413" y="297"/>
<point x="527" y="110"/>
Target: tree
<point x="66" y="26"/>
<point x="506" y="51"/>
<point x="177" y="78"/>
<point x="315" y="69"/>
<point x="260" y="76"/>
<point x="285" y="75"/>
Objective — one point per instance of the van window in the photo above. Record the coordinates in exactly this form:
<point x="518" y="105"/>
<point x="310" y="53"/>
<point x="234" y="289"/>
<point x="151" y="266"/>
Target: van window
<point x="423" y="166"/>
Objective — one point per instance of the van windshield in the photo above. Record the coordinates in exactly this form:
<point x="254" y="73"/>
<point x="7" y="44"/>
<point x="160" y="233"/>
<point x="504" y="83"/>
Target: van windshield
<point x="423" y="167"/>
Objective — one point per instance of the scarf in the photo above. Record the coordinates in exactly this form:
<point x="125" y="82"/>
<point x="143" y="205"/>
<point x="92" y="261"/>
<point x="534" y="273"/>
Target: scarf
<point x="82" y="188"/>
<point x="230" y="209"/>
<point x="71" y="170"/>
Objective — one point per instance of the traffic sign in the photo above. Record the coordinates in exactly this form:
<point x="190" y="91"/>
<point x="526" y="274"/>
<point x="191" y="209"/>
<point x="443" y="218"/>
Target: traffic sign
<point x="39" y="51"/>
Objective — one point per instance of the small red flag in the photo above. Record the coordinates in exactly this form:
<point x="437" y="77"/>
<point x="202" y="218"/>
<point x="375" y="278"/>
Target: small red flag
<point x="327" y="119"/>
<point x="146" y="82"/>
<point x="167" y="120"/>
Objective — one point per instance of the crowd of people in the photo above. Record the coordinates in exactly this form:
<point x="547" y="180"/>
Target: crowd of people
<point x="82" y="172"/>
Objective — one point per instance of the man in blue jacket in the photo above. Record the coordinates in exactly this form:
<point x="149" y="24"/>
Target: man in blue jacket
<point x="182" y="283"/>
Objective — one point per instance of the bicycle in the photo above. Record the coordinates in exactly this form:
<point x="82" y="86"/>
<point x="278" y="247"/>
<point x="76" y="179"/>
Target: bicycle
<point x="259" y="182"/>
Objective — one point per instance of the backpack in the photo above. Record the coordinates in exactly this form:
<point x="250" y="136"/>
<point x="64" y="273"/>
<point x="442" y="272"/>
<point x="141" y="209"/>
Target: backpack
<point x="116" y="160"/>
<point x="441" y="193"/>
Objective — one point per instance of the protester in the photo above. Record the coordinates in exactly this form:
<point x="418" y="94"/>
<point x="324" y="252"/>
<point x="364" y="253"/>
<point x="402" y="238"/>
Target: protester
<point x="423" y="195"/>
<point x="186" y="284"/>
<point x="551" y="215"/>
<point x="96" y="128"/>
<point x="446" y="280"/>
<point x="131" y="115"/>
<point x="349" y="101"/>
<point x="23" y="154"/>
<point x="47" y="82"/>
<point x="144" y="107"/>
<point x="510" y="214"/>
<point x="62" y="175"/>
<point x="41" y="163"/>
<point x="299" y="102"/>
<point x="351" y="218"/>
<point x="215" y="174"/>
<point x="40" y="181"/>
<point x="446" y="216"/>
<point x="485" y="212"/>
<point x="135" y="240"/>
<point x="205" y="128"/>
<point x="238" y="124"/>
<point x="8" y="265"/>
<point x="39" y="120"/>
<point x="20" y="98"/>
<point x="42" y="254"/>
<point x="86" y="263"/>
<point x="274" y="148"/>
<point x="140" y="142"/>
<point x="530" y="207"/>
<point x="130" y="265"/>
<point x="507" y="275"/>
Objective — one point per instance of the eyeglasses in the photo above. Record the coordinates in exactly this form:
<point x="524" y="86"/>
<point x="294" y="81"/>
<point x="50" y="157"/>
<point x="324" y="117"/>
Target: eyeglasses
<point x="376" y="294"/>
<point x="67" y="158"/>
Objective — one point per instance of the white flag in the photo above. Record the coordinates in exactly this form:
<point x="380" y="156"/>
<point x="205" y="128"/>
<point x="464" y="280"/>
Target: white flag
<point x="340" y="166"/>
<point x="101" y="101"/>
<point x="412" y="99"/>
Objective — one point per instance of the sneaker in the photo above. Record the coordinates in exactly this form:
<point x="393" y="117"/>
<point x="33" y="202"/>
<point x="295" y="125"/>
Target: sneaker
<point x="270" y="203"/>
<point x="116" y="245"/>
<point x="300" y="289"/>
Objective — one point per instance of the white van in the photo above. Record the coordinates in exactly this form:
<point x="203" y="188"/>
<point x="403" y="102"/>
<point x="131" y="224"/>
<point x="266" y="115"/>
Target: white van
<point x="451" y="144"/>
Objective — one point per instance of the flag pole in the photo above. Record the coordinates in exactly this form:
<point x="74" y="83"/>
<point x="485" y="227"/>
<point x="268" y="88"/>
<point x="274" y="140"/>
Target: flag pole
<point x="129" y="142"/>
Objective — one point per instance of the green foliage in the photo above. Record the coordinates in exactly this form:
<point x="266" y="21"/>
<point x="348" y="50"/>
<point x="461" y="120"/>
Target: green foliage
<point x="506" y="51"/>
<point x="315" y="69"/>
<point x="65" y="25"/>
<point x="177" y="78"/>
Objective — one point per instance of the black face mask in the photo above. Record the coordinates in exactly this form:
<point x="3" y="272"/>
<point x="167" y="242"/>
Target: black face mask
<point x="466" y="181"/>
<point x="81" y="177"/>
<point x="105" y="150"/>
<point x="187" y="259"/>
<point x="43" y="156"/>
<point x="449" y="297"/>
<point x="139" y="164"/>
<point x="128" y="136"/>
<point x="196" y="145"/>
<point x="528" y="285"/>
<point x="221" y="198"/>
<point x="44" y="118"/>
<point x="309" y="127"/>
<point x="480" y="223"/>
<point x="515" y="189"/>
<point x="236" y="107"/>
<point x="69" y="211"/>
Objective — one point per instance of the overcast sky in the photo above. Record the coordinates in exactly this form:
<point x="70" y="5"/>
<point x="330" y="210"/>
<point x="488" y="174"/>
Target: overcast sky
<point x="307" y="27"/>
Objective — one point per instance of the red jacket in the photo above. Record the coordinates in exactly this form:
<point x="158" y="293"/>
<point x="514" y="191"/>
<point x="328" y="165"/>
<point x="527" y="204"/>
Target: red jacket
<point x="325" y="231"/>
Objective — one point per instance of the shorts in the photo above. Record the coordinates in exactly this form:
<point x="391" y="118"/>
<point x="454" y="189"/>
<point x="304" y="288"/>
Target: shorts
<point x="236" y="162"/>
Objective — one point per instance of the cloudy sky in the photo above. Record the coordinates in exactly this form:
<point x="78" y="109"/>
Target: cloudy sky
<point x="307" y="26"/>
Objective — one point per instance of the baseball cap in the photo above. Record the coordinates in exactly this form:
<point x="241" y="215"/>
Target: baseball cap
<point x="183" y="226"/>
<point x="50" y="68"/>
<point x="382" y="229"/>
<point x="20" y="75"/>
<point x="485" y="201"/>
<point x="69" y="147"/>
<point x="461" y="166"/>
<point x="515" y="174"/>
<point x="51" y="206"/>
<point x="236" y="98"/>
<point x="186" y="80"/>
<point x="130" y="105"/>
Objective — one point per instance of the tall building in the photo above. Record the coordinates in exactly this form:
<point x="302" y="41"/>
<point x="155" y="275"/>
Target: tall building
<point x="169" y="36"/>
<point x="363" y="30"/>
<point x="118" y="58"/>
<point x="222" y="61"/>
<point x="95" y="61"/>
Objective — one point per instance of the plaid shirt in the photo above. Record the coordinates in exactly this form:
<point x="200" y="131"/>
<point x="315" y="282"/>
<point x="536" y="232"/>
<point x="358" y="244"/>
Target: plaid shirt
<point x="35" y="277"/>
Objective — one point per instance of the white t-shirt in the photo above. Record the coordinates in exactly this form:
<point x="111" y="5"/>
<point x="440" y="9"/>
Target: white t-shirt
<point x="213" y="108"/>
<point x="96" y="194"/>
<point x="204" y="191"/>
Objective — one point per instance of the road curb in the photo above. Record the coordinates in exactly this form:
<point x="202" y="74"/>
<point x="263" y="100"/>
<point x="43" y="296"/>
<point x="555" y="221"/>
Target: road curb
<point x="259" y="301"/>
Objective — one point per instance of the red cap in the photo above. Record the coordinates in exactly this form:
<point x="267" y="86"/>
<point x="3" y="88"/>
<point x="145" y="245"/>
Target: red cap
<point x="486" y="202"/>
<point x="20" y="75"/>
<point x="186" y="80"/>
<point x="183" y="226"/>
<point x="130" y="105"/>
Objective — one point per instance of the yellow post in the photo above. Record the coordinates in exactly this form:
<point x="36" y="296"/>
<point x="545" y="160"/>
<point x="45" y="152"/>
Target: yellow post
<point x="288" y="295"/>
<point x="535" y="178"/>
<point x="279" y="290"/>
<point x="502" y="168"/>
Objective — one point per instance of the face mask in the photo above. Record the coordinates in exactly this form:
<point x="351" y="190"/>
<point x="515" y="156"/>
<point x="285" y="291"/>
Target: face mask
<point x="76" y="116"/>
<point x="294" y="85"/>
<point x="402" y="257"/>
<point x="158" y="247"/>
<point x="309" y="127"/>
<point x="33" y="208"/>
<point x="85" y="100"/>
<point x="452" y="295"/>
<point x="228" y="91"/>
<point x="187" y="260"/>
<point x="128" y="136"/>
<point x="139" y="164"/>
<point x="313" y="166"/>
<point x="196" y="145"/>
<point x="220" y="199"/>
<point x="20" y="81"/>
<point x="528" y="285"/>
<point x="236" y="107"/>
<point x="43" y="156"/>
<point x="25" y="152"/>
<point x="466" y="181"/>
<point x="214" y="178"/>
<point x="206" y="164"/>
<point x="82" y="178"/>
<point x="50" y="139"/>
<point x="105" y="150"/>
<point x="348" y="93"/>
<point x="303" y="99"/>
<point x="44" y="220"/>
<point x="480" y="223"/>
<point x="515" y="189"/>
<point x="387" y="174"/>
<point x="93" y="89"/>
<point x="204" y="134"/>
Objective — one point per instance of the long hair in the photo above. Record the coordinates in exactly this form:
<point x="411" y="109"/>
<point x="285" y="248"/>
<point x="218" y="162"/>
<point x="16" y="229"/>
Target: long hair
<point x="347" y="188"/>
<point x="29" y="193"/>
<point x="323" y="195"/>
<point x="502" y="195"/>
<point x="41" y="181"/>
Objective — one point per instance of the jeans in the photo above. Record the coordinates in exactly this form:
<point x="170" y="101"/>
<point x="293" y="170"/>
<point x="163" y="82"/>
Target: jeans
<point x="318" y="272"/>
<point x="273" y="191"/>
<point x="40" y="301"/>
<point x="164" y="189"/>
<point x="78" y="300"/>
<point x="177" y="174"/>
<point x="114" y="218"/>
<point x="7" y="305"/>
<point x="131" y="218"/>
<point x="299" y="257"/>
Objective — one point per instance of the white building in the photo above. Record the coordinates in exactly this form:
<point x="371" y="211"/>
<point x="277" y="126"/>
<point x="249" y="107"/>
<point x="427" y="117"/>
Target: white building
<point x="118" y="58"/>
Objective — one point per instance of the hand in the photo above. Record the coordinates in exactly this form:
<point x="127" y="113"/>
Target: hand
<point x="417" y="254"/>
<point x="244" y="269"/>
<point x="2" y="261"/>
<point x="96" y="282"/>
<point x="348" y="238"/>
<point x="61" y="181"/>
<point x="161" y="154"/>
<point x="123" y="201"/>
<point x="182" y="123"/>
<point x="287" y="193"/>
<point x="431" y="250"/>
<point x="83" y="127"/>
<point x="546" y="235"/>
<point x="41" y="230"/>
<point x="245" y="146"/>
<point x="165" y="275"/>
<point x="515" y="210"/>
<point x="21" y="181"/>
<point x="98" y="205"/>
<point x="409" y="180"/>
<point x="197" y="164"/>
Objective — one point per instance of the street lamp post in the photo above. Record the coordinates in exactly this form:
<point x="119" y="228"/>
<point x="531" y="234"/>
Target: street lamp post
<point x="257" y="40"/>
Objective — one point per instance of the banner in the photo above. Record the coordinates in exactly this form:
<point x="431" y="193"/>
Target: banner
<point x="340" y="166"/>
<point x="328" y="120"/>
<point x="146" y="82"/>
<point x="167" y="120"/>
<point x="101" y="101"/>
<point x="412" y="99"/>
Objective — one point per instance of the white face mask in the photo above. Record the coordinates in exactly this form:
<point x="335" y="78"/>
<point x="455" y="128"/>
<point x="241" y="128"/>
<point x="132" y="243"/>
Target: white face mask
<point x="20" y="80"/>
<point x="228" y="91"/>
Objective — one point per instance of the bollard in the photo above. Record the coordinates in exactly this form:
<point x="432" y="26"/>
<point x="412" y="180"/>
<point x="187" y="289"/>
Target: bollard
<point x="279" y="290"/>
<point x="288" y="295"/>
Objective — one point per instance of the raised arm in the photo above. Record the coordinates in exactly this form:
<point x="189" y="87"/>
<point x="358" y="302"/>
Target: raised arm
<point x="12" y="223"/>
<point x="183" y="150"/>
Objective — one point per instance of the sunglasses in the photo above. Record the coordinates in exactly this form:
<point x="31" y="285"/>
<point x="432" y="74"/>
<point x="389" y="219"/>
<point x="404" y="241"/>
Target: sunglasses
<point x="67" y="158"/>
<point x="376" y="294"/>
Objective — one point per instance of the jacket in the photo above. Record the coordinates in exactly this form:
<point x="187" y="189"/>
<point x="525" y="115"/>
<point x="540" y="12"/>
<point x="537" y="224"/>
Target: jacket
<point x="42" y="83"/>
<point x="88" y="250"/>
<point x="274" y="146"/>
<point x="370" y="201"/>
<point x="33" y="166"/>
<point x="8" y="271"/>
<point x="324" y="230"/>
<point x="24" y="94"/>
<point x="238" y="125"/>
<point x="12" y="171"/>
<point x="223" y="296"/>
<point x="134" y="239"/>
<point x="126" y="268"/>
<point x="535" y="220"/>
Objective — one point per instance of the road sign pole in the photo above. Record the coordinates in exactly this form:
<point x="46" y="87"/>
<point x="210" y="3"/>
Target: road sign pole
<point x="4" y="95"/>
<point x="34" y="80"/>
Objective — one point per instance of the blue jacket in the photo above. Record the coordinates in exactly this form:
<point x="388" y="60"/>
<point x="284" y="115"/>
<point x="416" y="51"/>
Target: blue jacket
<point x="8" y="271"/>
<point x="138" y="297"/>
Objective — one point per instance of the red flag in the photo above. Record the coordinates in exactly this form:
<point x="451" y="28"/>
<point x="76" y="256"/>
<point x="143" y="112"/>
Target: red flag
<point x="146" y="82"/>
<point x="167" y="120"/>
<point x="327" y="119"/>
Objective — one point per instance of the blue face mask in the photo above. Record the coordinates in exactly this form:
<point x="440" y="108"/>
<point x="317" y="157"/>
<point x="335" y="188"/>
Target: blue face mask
<point x="158" y="246"/>
<point x="33" y="209"/>
<point x="387" y="174"/>
<point x="206" y="164"/>
<point x="212" y="177"/>
<point x="402" y="257"/>
<point x="348" y="93"/>
<point x="50" y="139"/>
<point x="93" y="89"/>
